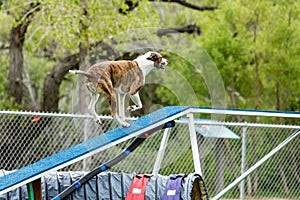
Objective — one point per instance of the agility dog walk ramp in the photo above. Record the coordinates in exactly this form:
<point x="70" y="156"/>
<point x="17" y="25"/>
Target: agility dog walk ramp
<point x="90" y="147"/>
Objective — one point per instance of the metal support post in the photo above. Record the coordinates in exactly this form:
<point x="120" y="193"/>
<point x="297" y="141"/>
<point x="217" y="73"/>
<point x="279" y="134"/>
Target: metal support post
<point x="194" y="144"/>
<point x="85" y="137"/>
<point x="161" y="151"/>
<point x="243" y="163"/>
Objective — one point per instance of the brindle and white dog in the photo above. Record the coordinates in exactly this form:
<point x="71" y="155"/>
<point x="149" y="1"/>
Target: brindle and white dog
<point x="120" y="77"/>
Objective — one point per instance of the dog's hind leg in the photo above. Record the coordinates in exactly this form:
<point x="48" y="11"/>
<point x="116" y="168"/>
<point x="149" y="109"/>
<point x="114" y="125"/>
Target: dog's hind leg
<point x="92" y="107"/>
<point x="137" y="101"/>
<point x="107" y="89"/>
<point x="112" y="100"/>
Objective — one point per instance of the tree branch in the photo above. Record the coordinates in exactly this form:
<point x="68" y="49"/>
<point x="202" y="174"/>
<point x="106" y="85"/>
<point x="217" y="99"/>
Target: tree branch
<point x="131" y="5"/>
<point x="53" y="80"/>
<point x="189" y="5"/>
<point x="96" y="48"/>
<point x="33" y="8"/>
<point x="191" y="29"/>
<point x="4" y="47"/>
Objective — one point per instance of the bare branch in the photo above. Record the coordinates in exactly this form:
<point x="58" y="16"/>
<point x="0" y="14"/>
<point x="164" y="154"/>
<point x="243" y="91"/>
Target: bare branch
<point x="4" y="47"/>
<point x="191" y="29"/>
<point x="131" y="5"/>
<point x="33" y="8"/>
<point x="189" y="5"/>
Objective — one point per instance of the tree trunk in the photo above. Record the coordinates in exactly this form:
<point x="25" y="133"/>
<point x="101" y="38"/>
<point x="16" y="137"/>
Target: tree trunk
<point x="84" y="95"/>
<point x="53" y="81"/>
<point x="16" y="59"/>
<point x="16" y="63"/>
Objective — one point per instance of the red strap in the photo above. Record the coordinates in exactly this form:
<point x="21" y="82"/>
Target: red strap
<point x="138" y="187"/>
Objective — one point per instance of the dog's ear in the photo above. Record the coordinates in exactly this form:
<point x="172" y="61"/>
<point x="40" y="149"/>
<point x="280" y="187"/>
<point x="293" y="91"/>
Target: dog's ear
<point x="153" y="57"/>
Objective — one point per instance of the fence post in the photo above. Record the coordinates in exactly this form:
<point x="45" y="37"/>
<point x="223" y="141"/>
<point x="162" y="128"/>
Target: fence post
<point x="243" y="163"/>
<point x="85" y="137"/>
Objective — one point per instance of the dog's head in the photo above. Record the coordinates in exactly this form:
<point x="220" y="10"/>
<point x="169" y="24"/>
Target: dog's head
<point x="153" y="60"/>
<point x="158" y="61"/>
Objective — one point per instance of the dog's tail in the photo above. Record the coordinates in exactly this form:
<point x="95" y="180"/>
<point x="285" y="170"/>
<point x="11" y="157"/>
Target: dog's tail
<point x="88" y="75"/>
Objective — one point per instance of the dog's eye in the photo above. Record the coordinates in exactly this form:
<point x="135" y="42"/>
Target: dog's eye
<point x="152" y="57"/>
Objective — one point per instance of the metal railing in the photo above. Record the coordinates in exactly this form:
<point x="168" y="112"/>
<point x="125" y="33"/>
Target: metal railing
<point x="26" y="137"/>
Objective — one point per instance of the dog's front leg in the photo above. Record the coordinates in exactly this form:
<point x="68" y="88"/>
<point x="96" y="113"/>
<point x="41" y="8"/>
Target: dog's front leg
<point x="121" y="103"/>
<point x="137" y="101"/>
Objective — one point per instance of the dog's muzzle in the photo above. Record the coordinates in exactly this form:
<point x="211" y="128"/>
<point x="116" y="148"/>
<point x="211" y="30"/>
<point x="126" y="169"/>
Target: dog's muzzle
<point x="163" y="64"/>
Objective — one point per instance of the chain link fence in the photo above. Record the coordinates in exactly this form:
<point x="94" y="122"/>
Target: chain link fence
<point x="27" y="137"/>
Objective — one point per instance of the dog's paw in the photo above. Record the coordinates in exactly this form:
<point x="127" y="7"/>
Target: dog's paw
<point x="125" y="124"/>
<point x="132" y="108"/>
<point x="98" y="121"/>
<point x="129" y="108"/>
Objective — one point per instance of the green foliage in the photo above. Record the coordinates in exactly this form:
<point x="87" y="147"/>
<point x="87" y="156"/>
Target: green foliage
<point x="58" y="27"/>
<point x="6" y="24"/>
<point x="62" y="22"/>
<point x="242" y="34"/>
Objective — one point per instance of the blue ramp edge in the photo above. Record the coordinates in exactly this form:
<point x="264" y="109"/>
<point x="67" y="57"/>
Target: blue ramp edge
<point x="58" y="159"/>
